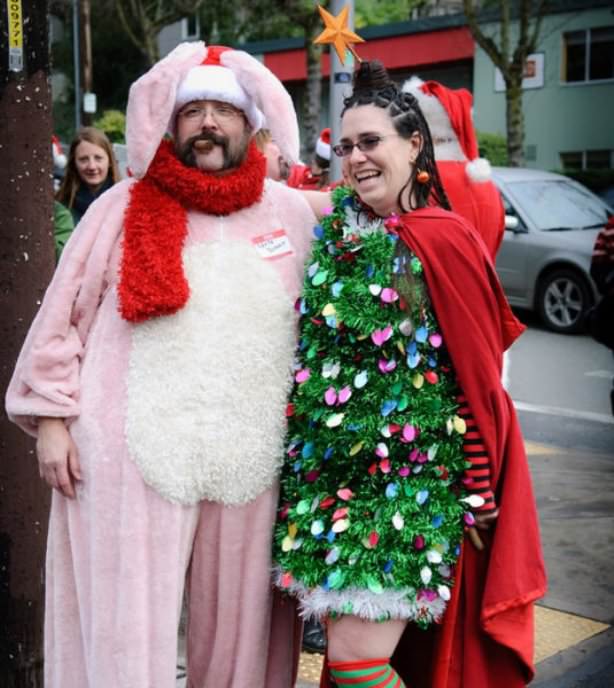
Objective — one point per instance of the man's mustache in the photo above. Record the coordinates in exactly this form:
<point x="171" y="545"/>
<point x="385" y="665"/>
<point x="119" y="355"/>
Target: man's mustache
<point x="208" y="136"/>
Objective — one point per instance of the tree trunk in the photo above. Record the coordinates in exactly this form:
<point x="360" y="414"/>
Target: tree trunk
<point x="26" y="265"/>
<point x="313" y="96"/>
<point x="515" y="120"/>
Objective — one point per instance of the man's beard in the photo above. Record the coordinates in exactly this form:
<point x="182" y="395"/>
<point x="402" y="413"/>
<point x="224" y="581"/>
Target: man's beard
<point x="233" y="155"/>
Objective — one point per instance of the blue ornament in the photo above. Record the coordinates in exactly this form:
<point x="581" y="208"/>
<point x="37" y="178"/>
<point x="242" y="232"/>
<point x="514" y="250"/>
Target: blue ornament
<point x="331" y="536"/>
<point x="328" y="453"/>
<point x="422" y="496"/>
<point x="413" y="360"/>
<point x="412" y="347"/>
<point x="432" y="362"/>
<point x="388" y="566"/>
<point x="370" y="271"/>
<point x="331" y="321"/>
<point x="392" y="490"/>
<point x="421" y="334"/>
<point x="318" y="232"/>
<point x="388" y="407"/>
<point x="336" y="289"/>
<point x="308" y="448"/>
<point x="437" y="521"/>
<point x="297" y="466"/>
<point x="303" y="308"/>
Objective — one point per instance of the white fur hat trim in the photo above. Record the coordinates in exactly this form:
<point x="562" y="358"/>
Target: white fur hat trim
<point x="478" y="170"/>
<point x="214" y="82"/>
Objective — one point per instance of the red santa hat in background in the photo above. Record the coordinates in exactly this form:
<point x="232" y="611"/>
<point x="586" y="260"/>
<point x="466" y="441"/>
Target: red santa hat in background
<point x="448" y="114"/>
<point x="193" y="71"/>
<point x="59" y="158"/>
<point x="323" y="148"/>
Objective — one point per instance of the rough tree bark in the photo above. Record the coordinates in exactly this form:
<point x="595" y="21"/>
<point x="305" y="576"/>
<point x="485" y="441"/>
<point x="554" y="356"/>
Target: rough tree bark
<point x="26" y="265"/>
<point x="510" y="62"/>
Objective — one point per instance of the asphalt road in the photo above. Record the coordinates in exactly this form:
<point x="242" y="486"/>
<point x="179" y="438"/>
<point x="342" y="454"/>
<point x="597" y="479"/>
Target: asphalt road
<point x="561" y="386"/>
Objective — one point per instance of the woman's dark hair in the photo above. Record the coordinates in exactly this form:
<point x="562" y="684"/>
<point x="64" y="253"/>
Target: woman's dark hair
<point x="373" y="86"/>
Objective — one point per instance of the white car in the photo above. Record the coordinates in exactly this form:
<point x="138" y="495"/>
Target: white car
<point x="544" y="259"/>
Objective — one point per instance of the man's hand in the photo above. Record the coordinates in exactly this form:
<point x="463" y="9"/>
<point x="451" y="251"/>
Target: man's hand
<point x="58" y="459"/>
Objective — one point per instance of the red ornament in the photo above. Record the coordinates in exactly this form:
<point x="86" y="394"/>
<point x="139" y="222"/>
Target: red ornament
<point x="290" y="408"/>
<point x="326" y="502"/>
<point x="419" y="542"/>
<point x="431" y="376"/>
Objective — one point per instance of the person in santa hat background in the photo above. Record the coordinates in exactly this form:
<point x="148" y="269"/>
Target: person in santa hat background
<point x="465" y="176"/>
<point x="155" y="377"/>
<point x="314" y="177"/>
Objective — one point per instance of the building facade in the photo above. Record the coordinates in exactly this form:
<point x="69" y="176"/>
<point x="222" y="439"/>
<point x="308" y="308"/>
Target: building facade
<point x="568" y="95"/>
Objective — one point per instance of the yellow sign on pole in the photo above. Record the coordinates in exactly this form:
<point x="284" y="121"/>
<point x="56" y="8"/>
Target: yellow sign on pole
<point x="15" y="18"/>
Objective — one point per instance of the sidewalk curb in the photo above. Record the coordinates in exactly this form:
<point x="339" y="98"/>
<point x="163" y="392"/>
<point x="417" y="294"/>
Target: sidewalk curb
<point x="574" y="666"/>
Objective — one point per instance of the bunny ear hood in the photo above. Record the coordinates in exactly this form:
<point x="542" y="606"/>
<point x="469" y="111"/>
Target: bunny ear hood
<point x="194" y="72"/>
<point x="271" y="98"/>
<point x="151" y="103"/>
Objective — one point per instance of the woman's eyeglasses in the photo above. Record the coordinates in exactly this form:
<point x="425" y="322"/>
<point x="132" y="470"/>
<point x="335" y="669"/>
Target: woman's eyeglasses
<point x="364" y="144"/>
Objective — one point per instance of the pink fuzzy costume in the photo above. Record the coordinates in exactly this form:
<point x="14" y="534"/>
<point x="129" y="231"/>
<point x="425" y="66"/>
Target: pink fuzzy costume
<point x="179" y="422"/>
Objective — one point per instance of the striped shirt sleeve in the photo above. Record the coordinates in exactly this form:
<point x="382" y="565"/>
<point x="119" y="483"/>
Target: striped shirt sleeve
<point x="477" y="475"/>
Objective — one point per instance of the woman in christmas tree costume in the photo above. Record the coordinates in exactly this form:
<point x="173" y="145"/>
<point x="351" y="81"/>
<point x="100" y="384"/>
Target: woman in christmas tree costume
<point x="400" y="435"/>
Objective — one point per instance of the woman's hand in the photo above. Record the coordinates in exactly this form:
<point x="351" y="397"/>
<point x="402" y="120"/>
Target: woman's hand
<point x="58" y="459"/>
<point x="482" y="522"/>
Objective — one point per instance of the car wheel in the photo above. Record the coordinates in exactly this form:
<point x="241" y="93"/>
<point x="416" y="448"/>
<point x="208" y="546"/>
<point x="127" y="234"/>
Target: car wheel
<point x="562" y="299"/>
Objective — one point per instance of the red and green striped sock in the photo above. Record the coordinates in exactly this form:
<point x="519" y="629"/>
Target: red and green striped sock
<point x="366" y="673"/>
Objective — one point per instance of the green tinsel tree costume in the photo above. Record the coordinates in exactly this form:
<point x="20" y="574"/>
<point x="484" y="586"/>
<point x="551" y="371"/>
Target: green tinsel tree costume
<point x="372" y="507"/>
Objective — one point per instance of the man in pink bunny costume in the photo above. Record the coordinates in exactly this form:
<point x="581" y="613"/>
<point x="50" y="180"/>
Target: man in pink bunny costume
<point x="155" y="376"/>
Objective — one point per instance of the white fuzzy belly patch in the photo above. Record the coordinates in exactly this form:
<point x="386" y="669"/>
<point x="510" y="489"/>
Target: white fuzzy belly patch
<point x="207" y="387"/>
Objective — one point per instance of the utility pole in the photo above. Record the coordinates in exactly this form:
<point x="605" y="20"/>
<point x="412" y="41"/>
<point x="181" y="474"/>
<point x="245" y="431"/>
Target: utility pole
<point x="87" y="71"/>
<point x="26" y="265"/>
<point x="340" y="86"/>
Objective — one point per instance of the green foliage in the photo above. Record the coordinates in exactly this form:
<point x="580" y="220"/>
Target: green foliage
<point x="493" y="147"/>
<point x="375" y="12"/>
<point x="113" y="123"/>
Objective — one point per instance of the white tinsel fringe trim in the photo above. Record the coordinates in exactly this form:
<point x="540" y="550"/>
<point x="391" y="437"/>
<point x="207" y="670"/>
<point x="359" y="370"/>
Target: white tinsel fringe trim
<point x="478" y="170"/>
<point x="391" y="604"/>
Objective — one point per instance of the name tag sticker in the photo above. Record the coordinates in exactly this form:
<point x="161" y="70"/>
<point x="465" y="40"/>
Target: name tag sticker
<point x="273" y="245"/>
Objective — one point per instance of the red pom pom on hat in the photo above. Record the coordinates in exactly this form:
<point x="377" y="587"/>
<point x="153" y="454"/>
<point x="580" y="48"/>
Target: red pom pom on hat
<point x="323" y="148"/>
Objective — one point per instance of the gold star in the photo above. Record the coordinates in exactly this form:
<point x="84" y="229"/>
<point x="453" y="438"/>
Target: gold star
<point x="337" y="33"/>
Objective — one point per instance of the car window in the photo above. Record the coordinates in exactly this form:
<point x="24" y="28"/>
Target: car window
<point x="554" y="204"/>
<point x="510" y="210"/>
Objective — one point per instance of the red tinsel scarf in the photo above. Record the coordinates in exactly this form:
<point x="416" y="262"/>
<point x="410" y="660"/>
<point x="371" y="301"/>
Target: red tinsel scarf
<point x="152" y="281"/>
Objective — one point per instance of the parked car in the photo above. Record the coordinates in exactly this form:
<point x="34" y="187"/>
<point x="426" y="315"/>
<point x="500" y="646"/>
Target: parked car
<point x="544" y="260"/>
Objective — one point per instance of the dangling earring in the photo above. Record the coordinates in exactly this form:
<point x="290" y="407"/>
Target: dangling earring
<point x="423" y="177"/>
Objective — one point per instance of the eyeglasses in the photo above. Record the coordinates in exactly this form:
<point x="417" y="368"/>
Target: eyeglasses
<point x="364" y="144"/>
<point x="220" y="112"/>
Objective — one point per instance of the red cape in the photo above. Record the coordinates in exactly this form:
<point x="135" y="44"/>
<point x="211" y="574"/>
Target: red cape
<point x="486" y="638"/>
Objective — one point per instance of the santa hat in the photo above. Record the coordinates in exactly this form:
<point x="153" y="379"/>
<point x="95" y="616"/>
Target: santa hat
<point x="193" y="71"/>
<point x="448" y="114"/>
<point x="212" y="81"/>
<point x="59" y="158"/>
<point x="323" y="144"/>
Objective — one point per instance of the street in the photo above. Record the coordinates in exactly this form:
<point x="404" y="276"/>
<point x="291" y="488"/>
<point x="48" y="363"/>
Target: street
<point x="561" y="386"/>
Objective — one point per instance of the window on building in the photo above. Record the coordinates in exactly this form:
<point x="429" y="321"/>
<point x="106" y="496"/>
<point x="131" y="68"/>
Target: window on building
<point x="588" y="160"/>
<point x="191" y="27"/>
<point x="571" y="161"/>
<point x="588" y="55"/>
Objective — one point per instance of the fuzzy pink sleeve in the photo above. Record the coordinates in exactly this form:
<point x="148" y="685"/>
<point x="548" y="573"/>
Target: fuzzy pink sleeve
<point x="46" y="377"/>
